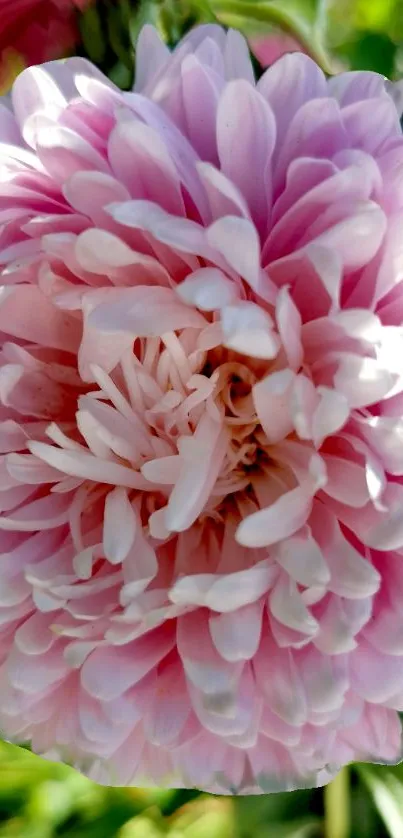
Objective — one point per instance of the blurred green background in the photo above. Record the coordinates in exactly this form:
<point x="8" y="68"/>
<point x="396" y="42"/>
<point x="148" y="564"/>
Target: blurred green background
<point x="41" y="800"/>
<point x="356" y="34"/>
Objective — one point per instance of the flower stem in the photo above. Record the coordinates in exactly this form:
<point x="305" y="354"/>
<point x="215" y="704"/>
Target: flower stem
<point x="337" y="806"/>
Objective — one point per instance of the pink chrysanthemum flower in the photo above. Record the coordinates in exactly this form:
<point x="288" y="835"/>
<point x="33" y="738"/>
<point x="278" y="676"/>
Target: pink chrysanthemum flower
<point x="201" y="430"/>
<point x="32" y="31"/>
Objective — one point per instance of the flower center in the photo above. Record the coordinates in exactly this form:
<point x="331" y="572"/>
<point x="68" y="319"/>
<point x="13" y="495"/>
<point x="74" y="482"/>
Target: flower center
<point x="247" y="458"/>
<point x="171" y="425"/>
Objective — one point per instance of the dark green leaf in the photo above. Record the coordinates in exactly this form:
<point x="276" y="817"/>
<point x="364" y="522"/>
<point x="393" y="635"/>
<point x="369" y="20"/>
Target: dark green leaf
<point x="370" y="51"/>
<point x="387" y="794"/>
<point x="92" y="35"/>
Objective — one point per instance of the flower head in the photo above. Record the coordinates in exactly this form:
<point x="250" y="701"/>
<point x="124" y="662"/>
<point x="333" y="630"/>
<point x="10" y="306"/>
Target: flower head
<point x="33" y="31"/>
<point x="201" y="387"/>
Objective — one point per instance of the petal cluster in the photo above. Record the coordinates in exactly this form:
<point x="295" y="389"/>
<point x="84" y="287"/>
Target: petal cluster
<point x="201" y="418"/>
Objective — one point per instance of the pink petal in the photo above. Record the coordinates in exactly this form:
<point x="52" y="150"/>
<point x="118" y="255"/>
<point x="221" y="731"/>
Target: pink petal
<point x="236" y="634"/>
<point x="119" y="526"/>
<point x="374" y="675"/>
<point x="278" y="521"/>
<point x="140" y="160"/>
<point x="139" y="569"/>
<point x="181" y="151"/>
<point x="108" y="673"/>
<point x="63" y="152"/>
<point x="358" y="238"/>
<point x="288" y="608"/>
<point x="208" y="289"/>
<point x="180" y="233"/>
<point x="237" y="58"/>
<point x="237" y="240"/>
<point x="169" y="708"/>
<point x="341" y="621"/>
<point x="35" y="673"/>
<point x="224" y="197"/>
<point x="356" y="116"/>
<point x="203" y="665"/>
<point x="85" y="465"/>
<point x="90" y="191"/>
<point x="227" y="592"/>
<point x="346" y="481"/>
<point x="97" y="251"/>
<point x="33" y="637"/>
<point x="362" y="380"/>
<point x="145" y="311"/>
<point x="351" y="575"/>
<point x="44" y="514"/>
<point x="302" y="558"/>
<point x="246" y="138"/>
<point x="330" y="415"/>
<point x="202" y="456"/>
<point x="35" y="91"/>
<point x="151" y="56"/>
<point x="248" y="329"/>
<point x="280" y="683"/>
<point x="200" y="97"/>
<point x="271" y="397"/>
<point x="49" y="327"/>
<point x="294" y="79"/>
<point x="325" y="679"/>
<point x="289" y="326"/>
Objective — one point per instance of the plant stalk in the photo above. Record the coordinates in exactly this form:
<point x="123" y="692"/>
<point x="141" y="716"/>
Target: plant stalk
<point x="337" y="806"/>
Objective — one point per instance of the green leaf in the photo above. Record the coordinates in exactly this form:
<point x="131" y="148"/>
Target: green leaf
<point x="309" y="827"/>
<point x="121" y="75"/>
<point x="387" y="794"/>
<point x="365" y="820"/>
<point x="370" y="51"/>
<point x="118" y="33"/>
<point x="145" y="12"/>
<point x="305" y="20"/>
<point x="252" y="814"/>
<point x="140" y="827"/>
<point x="92" y="35"/>
<point x="207" y="817"/>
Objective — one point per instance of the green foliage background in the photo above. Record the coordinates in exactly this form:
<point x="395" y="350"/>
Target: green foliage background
<point x="39" y="799"/>
<point x="42" y="800"/>
<point x="355" y="34"/>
